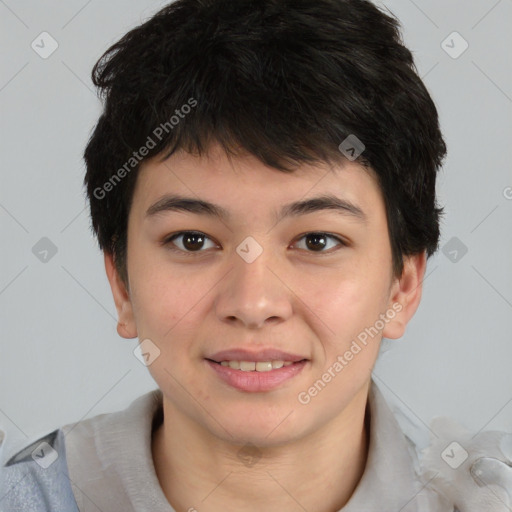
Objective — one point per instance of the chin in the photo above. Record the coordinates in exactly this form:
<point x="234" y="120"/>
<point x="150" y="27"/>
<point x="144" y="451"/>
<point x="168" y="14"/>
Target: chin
<point x="268" y="432"/>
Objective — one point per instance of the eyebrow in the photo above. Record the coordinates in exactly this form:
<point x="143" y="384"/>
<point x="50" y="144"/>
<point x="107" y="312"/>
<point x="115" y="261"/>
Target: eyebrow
<point x="200" y="207"/>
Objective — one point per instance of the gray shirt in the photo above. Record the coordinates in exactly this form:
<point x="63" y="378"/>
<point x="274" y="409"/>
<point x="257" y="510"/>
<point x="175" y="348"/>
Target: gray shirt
<point x="111" y="466"/>
<point x="105" y="464"/>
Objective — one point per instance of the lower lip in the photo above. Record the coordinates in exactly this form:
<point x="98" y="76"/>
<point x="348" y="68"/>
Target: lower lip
<point x="254" y="381"/>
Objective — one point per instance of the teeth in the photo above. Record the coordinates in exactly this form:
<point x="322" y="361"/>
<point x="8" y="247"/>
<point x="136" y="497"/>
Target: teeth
<point x="247" y="366"/>
<point x="260" y="366"/>
<point x="263" y="366"/>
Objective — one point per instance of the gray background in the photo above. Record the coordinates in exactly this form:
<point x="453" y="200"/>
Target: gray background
<point x="61" y="359"/>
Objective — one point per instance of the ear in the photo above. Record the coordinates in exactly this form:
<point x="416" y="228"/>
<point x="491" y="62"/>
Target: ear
<point x="405" y="295"/>
<point x="126" y="327"/>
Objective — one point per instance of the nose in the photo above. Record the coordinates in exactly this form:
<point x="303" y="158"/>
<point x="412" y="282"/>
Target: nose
<point x="254" y="294"/>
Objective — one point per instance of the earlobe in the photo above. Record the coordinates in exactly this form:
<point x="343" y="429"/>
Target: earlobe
<point x="126" y="327"/>
<point x="124" y="332"/>
<point x="406" y="295"/>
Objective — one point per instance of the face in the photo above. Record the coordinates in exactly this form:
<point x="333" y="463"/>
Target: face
<point x="314" y="283"/>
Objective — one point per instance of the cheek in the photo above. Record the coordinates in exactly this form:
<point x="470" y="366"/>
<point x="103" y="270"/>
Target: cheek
<point x="349" y="344"/>
<point x="170" y="305"/>
<point x="160" y="300"/>
<point x="343" y="307"/>
<point x="167" y="310"/>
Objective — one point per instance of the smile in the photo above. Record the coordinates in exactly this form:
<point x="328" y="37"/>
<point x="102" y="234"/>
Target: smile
<point x="260" y="366"/>
<point x="252" y="376"/>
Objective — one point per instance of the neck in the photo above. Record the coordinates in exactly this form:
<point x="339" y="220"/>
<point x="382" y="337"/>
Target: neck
<point x="320" y="472"/>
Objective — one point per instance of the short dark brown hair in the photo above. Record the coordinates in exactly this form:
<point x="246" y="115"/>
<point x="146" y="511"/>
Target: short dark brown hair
<point x="284" y="80"/>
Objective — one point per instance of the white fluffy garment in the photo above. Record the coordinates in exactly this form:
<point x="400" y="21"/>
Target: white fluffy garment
<point x="473" y="472"/>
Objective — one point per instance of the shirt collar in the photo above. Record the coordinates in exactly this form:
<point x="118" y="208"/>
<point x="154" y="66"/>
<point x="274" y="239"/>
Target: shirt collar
<point x="389" y="480"/>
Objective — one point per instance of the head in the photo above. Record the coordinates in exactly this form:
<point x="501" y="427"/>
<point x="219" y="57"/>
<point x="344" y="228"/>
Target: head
<point x="244" y="105"/>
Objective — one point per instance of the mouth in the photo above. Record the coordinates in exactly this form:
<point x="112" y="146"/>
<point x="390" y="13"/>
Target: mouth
<point x="256" y="366"/>
<point x="256" y="376"/>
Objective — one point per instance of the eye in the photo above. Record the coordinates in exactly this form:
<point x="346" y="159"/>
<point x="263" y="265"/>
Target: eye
<point x="318" y="241"/>
<point x="192" y="241"/>
<point x="189" y="242"/>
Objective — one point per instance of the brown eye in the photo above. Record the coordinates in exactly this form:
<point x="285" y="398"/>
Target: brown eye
<point x="318" y="241"/>
<point x="191" y="241"/>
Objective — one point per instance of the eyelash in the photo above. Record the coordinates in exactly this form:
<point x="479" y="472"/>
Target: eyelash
<point x="168" y="241"/>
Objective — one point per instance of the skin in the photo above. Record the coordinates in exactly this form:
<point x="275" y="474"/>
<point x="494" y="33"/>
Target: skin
<point x="309" y="302"/>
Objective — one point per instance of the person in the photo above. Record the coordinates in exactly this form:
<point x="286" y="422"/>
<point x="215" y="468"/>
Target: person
<point x="262" y="183"/>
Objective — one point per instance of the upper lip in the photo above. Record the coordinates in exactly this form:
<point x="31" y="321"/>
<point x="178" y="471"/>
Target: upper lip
<point x="240" y="354"/>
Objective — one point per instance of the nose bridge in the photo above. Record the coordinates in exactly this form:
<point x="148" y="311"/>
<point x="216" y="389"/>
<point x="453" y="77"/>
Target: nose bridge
<point x="251" y="293"/>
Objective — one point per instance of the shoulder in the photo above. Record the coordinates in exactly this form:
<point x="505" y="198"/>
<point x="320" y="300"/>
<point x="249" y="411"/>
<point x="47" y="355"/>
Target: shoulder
<point x="88" y="458"/>
<point x="35" y="478"/>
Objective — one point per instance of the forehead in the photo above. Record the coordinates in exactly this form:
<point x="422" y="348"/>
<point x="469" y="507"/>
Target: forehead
<point x="245" y="183"/>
